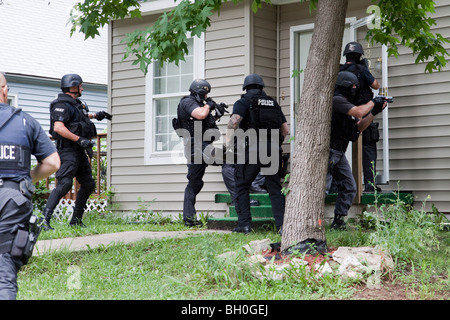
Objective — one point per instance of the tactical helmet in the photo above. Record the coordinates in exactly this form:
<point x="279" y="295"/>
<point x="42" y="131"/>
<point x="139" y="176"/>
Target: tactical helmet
<point x="346" y="79"/>
<point x="200" y="86"/>
<point x="353" y="47"/>
<point x="70" y="80"/>
<point x="253" y="79"/>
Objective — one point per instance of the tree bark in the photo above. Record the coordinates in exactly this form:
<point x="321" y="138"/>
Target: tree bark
<point x="305" y="202"/>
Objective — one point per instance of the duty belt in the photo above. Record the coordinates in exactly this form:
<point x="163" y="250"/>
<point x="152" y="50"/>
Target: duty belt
<point x="9" y="184"/>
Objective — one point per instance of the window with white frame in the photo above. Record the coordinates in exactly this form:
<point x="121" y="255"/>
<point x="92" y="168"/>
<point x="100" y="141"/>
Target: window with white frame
<point x="12" y="100"/>
<point x="165" y="86"/>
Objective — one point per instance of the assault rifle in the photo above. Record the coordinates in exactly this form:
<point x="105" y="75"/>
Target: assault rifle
<point x="387" y="99"/>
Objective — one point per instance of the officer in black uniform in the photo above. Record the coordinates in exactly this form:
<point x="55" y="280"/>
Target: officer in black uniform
<point x="20" y="137"/>
<point x="196" y="118"/>
<point x="353" y="53"/>
<point x="347" y="122"/>
<point x="71" y="127"/>
<point x="257" y="111"/>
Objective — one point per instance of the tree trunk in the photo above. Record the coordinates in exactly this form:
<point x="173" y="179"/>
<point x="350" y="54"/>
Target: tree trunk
<point x="305" y="203"/>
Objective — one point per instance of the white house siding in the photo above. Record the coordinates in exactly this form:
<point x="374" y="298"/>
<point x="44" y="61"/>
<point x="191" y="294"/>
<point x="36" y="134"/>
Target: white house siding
<point x="226" y="64"/>
<point x="419" y="119"/>
<point x="36" y="41"/>
<point x="37" y="51"/>
<point x="419" y="124"/>
<point x="34" y="95"/>
<point x="238" y="43"/>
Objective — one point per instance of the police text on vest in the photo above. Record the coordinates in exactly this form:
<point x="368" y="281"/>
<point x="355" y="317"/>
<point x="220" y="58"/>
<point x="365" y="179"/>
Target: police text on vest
<point x="7" y="152"/>
<point x="264" y="102"/>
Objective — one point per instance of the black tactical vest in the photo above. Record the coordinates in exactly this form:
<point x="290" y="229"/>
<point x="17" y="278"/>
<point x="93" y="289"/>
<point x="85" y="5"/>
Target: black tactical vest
<point x="264" y="112"/>
<point x="344" y="129"/>
<point x="187" y="122"/>
<point x="15" y="148"/>
<point x="80" y="124"/>
<point x="363" y="93"/>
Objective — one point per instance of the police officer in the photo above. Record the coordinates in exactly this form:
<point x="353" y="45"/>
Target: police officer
<point x="348" y="120"/>
<point x="353" y="53"/>
<point x="20" y="137"/>
<point x="71" y="127"/>
<point x="196" y="118"/>
<point x="256" y="111"/>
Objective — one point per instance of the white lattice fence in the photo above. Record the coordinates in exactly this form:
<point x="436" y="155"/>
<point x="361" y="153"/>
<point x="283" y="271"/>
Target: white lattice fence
<point x="64" y="209"/>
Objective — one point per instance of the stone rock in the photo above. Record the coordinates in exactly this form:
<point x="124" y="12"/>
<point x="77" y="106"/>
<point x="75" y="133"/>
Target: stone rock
<point x="374" y="281"/>
<point x="279" y="272"/>
<point x="257" y="246"/>
<point x="257" y="258"/>
<point x="373" y="258"/>
<point x="323" y="269"/>
<point x="297" y="263"/>
<point x="227" y="255"/>
<point x="351" y="267"/>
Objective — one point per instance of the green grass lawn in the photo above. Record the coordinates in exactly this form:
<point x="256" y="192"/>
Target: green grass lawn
<point x="188" y="268"/>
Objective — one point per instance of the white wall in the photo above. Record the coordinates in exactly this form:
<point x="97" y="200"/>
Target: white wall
<point x="36" y="41"/>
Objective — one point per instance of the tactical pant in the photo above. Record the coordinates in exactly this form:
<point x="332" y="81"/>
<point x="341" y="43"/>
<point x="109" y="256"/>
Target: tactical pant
<point x="339" y="170"/>
<point x="228" y="179"/>
<point x="230" y="183"/>
<point x="245" y="174"/>
<point x="15" y="212"/>
<point x="195" y="184"/>
<point x="369" y="158"/>
<point x="74" y="164"/>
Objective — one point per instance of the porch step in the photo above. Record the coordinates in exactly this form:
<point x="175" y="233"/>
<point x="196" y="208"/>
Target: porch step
<point x="263" y="198"/>
<point x="260" y="214"/>
<point x="263" y="212"/>
<point x="386" y="197"/>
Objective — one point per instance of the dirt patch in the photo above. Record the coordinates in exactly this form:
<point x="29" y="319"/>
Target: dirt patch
<point x="278" y="258"/>
<point x="388" y="291"/>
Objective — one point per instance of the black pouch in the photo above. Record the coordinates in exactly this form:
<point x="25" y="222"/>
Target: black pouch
<point x="375" y="133"/>
<point x="175" y="124"/>
<point x="27" y="188"/>
<point x="19" y="244"/>
<point x="371" y="134"/>
<point x="354" y="133"/>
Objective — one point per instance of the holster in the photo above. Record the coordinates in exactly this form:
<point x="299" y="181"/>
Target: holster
<point x="20" y="246"/>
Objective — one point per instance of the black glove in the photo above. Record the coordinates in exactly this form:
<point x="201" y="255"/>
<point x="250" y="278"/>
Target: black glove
<point x="85" y="143"/>
<point x="102" y="115"/>
<point x="222" y="107"/>
<point x="379" y="102"/>
<point x="212" y="104"/>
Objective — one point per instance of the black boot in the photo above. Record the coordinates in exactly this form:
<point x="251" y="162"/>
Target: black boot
<point x="193" y="223"/>
<point x="338" y="222"/>
<point x="47" y="216"/>
<point x="76" y="219"/>
<point x="244" y="230"/>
